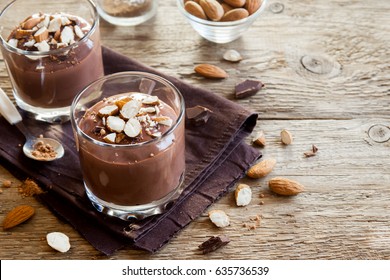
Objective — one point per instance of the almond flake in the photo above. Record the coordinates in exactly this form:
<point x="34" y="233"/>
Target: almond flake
<point x="67" y="35"/>
<point x="167" y="121"/>
<point x="147" y="110"/>
<point x="154" y="133"/>
<point x="108" y="111"/>
<point x="41" y="35"/>
<point x="121" y="102"/>
<point x="13" y="42"/>
<point x="232" y="56"/>
<point x="54" y="25"/>
<point x="151" y="100"/>
<point x="30" y="43"/>
<point x="44" y="23"/>
<point x="115" y="124"/>
<point x="133" y="128"/>
<point x="58" y="241"/>
<point x="110" y="138"/>
<point x="130" y="109"/>
<point x="65" y="20"/>
<point x="42" y="46"/>
<point x="79" y="33"/>
<point x="219" y="218"/>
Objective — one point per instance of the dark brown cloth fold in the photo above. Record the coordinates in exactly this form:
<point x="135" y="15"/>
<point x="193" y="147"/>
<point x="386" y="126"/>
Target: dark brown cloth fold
<point x="216" y="157"/>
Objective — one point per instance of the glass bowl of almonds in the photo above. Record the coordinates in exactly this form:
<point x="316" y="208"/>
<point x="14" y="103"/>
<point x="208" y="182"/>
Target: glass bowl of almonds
<point x="221" y="21"/>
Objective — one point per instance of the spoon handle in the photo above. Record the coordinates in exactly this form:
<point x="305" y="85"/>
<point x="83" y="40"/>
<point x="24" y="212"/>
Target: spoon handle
<point x="8" y="109"/>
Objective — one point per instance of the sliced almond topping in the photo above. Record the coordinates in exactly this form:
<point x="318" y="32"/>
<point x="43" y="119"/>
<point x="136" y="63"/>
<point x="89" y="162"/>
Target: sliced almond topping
<point x="153" y="133"/>
<point x="79" y="33"/>
<point x="13" y="42"/>
<point x="115" y="124"/>
<point x="122" y="102"/>
<point x="21" y="33"/>
<point x="54" y="25"/>
<point x="67" y="35"/>
<point x="133" y="128"/>
<point x="108" y="111"/>
<point x="130" y="109"/>
<point x="167" y="121"/>
<point x="147" y="110"/>
<point x="42" y="46"/>
<point x="31" y="22"/>
<point x="41" y="35"/>
<point x="219" y="218"/>
<point x="119" y="137"/>
<point x="65" y="20"/>
<point x="30" y="43"/>
<point x="151" y="100"/>
<point x="110" y="138"/>
<point x="44" y="23"/>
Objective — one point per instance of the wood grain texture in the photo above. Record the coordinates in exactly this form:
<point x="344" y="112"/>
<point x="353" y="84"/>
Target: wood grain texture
<point x="326" y="70"/>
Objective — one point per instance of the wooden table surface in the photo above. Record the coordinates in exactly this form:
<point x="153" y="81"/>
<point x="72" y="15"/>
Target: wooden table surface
<point x="326" y="68"/>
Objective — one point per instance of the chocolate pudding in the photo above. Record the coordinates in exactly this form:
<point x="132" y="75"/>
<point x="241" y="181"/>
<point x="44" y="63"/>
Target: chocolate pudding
<point x="54" y="57"/>
<point x="136" y="155"/>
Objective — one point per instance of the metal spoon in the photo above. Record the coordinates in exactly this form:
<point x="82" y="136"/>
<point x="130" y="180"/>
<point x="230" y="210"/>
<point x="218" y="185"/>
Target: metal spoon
<point x="12" y="115"/>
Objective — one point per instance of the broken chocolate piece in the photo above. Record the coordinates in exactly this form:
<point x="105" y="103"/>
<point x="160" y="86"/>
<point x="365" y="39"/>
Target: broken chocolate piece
<point x="247" y="88"/>
<point x="213" y="243"/>
<point x="198" y="115"/>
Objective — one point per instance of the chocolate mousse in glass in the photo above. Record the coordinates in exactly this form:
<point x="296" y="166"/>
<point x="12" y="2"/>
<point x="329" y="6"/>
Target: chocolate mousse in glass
<point x="129" y="131"/>
<point x="52" y="50"/>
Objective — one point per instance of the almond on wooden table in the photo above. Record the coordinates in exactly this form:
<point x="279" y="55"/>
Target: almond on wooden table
<point x="210" y="71"/>
<point x="261" y="169"/>
<point x="17" y="216"/>
<point x="284" y="186"/>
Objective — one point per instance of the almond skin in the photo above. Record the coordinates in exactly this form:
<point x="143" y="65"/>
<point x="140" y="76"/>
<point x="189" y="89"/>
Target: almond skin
<point x="285" y="186"/>
<point x="235" y="14"/>
<point x="235" y="3"/>
<point x="17" y="216"/>
<point x="210" y="71"/>
<point x="252" y="5"/>
<point x="195" y="9"/>
<point x="212" y="9"/>
<point x="261" y="169"/>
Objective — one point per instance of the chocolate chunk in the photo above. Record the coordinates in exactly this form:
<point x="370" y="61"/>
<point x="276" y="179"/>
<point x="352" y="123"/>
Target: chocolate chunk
<point x="247" y="88"/>
<point x="198" y="115"/>
<point x="213" y="243"/>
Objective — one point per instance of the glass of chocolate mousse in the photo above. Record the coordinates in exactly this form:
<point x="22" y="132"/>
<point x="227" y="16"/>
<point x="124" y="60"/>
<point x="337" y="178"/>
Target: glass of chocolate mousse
<point x="52" y="50"/>
<point x="129" y="131"/>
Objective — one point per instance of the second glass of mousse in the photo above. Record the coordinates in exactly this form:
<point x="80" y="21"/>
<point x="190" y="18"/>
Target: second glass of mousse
<point x="129" y="130"/>
<point x="52" y="50"/>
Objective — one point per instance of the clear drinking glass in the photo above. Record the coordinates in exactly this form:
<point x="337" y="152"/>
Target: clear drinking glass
<point x="127" y="12"/>
<point x="46" y="80"/>
<point x="132" y="179"/>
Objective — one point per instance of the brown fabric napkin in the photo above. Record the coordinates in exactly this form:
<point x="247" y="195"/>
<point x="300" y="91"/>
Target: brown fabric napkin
<point x="216" y="157"/>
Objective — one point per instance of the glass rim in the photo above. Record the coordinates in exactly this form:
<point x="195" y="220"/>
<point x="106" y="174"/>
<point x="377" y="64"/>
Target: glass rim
<point x="252" y="17"/>
<point x="158" y="78"/>
<point x="50" y="52"/>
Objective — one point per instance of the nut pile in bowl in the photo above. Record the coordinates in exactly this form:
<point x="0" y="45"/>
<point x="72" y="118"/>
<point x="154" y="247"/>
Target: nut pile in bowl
<point x="221" y="21"/>
<point x="226" y="10"/>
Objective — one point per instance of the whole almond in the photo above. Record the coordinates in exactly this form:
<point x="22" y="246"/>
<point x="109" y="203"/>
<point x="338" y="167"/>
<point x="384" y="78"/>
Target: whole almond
<point x="195" y="9"/>
<point x="285" y="186"/>
<point x="226" y="7"/>
<point x="252" y="5"/>
<point x="210" y="71"/>
<point x="261" y="169"/>
<point x="235" y="14"/>
<point x="17" y="216"/>
<point x="212" y="9"/>
<point x="235" y="3"/>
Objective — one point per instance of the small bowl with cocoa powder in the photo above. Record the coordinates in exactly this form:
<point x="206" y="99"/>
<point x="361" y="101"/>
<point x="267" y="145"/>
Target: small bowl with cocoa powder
<point x="221" y="21"/>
